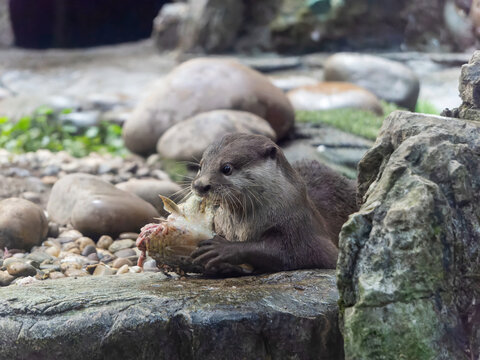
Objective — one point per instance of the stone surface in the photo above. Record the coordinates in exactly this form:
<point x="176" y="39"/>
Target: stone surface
<point x="168" y="24"/>
<point x="149" y="189"/>
<point x="6" y="34"/>
<point x="469" y="86"/>
<point x="284" y="315"/>
<point x="187" y="140"/>
<point x="20" y="268"/>
<point x="208" y="85"/>
<point x="389" y="80"/>
<point x="334" y="95"/>
<point x="22" y="224"/>
<point x="410" y="258"/>
<point x="211" y="25"/>
<point x="95" y="207"/>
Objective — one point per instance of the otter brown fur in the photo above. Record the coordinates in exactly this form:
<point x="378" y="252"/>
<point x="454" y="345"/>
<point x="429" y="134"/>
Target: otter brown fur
<point x="268" y="215"/>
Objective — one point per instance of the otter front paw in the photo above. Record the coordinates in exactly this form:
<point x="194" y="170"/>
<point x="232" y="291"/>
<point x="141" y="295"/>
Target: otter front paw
<point x="216" y="254"/>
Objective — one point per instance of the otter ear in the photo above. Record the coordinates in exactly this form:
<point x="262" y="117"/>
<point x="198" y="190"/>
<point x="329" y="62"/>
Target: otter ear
<point x="271" y="152"/>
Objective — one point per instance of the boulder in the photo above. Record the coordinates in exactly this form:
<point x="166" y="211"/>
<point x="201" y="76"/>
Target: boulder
<point x="6" y="34"/>
<point x="334" y="95"/>
<point x="289" y="315"/>
<point x="149" y="189"/>
<point x="211" y="26"/>
<point x="168" y="24"/>
<point x="202" y="85"/>
<point x="22" y="224"/>
<point x="95" y="207"/>
<point x="410" y="257"/>
<point x="389" y="80"/>
<point x="188" y="139"/>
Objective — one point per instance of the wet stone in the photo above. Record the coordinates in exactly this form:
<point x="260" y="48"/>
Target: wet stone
<point x="84" y="242"/>
<point x="88" y="250"/>
<point x="125" y="253"/>
<point x="121" y="244"/>
<point x="93" y="257"/>
<point x="118" y="263"/>
<point x="21" y="269"/>
<point x="150" y="265"/>
<point x="53" y="251"/>
<point x="56" y="275"/>
<point x="123" y="270"/>
<point x="102" y="270"/>
<point x="75" y="273"/>
<point x="39" y="256"/>
<point x="5" y="278"/>
<point x="104" y="242"/>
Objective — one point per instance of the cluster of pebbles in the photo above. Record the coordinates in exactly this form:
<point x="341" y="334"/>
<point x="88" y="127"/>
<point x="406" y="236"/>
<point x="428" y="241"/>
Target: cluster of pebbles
<point x="70" y="254"/>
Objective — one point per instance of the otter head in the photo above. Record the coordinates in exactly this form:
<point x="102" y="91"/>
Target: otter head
<point x="236" y="170"/>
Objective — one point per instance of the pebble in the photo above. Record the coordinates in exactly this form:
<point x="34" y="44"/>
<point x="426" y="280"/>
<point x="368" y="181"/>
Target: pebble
<point x="104" y="242"/>
<point x="50" y="267"/>
<point x="73" y="234"/>
<point x="53" y="251"/>
<point x="12" y="260"/>
<point x="69" y="246"/>
<point x="56" y="275"/>
<point x="151" y="266"/>
<point x="121" y="244"/>
<point x="123" y="270"/>
<point x="26" y="281"/>
<point x="53" y="229"/>
<point x="93" y="257"/>
<point x="75" y="273"/>
<point x="135" y="269"/>
<point x="125" y="253"/>
<point x="101" y="270"/>
<point x="5" y="278"/>
<point x="89" y="250"/>
<point x="39" y="256"/>
<point x="118" y="263"/>
<point x="128" y="235"/>
<point x="21" y="269"/>
<point x="83" y="242"/>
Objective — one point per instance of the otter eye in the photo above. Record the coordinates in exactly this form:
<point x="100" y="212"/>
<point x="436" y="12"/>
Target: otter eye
<point x="227" y="169"/>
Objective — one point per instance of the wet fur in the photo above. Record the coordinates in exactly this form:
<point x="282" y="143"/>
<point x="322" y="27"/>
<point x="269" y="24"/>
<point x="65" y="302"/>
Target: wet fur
<point x="268" y="212"/>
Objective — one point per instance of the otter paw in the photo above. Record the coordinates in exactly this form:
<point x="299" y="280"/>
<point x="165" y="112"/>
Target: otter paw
<point x="216" y="251"/>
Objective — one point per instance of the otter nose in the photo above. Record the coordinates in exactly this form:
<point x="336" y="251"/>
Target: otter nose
<point x="200" y="187"/>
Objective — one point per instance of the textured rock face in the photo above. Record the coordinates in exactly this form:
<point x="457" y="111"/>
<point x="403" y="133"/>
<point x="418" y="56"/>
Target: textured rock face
<point x="167" y="25"/>
<point x="22" y="224"/>
<point x="188" y="139"/>
<point x="95" y="207"/>
<point x="202" y="85"/>
<point x="389" y="80"/>
<point x="410" y="258"/>
<point x="289" y="315"/>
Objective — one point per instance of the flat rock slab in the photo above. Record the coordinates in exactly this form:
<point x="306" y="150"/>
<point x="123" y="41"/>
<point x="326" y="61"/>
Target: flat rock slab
<point x="288" y="315"/>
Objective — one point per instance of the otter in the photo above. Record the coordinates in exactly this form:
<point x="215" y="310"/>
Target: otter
<point x="271" y="216"/>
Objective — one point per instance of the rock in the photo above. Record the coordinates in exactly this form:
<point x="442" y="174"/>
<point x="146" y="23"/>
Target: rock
<point x="6" y="33"/>
<point x="196" y="318"/>
<point x="19" y="268"/>
<point x="128" y="235"/>
<point x="150" y="265"/>
<point x="6" y="278"/>
<point x="135" y="270"/>
<point x="208" y="84"/>
<point x="149" y="189"/>
<point x="167" y="25"/>
<point x="97" y="208"/>
<point x="53" y="251"/>
<point x="56" y="275"/>
<point x="82" y="119"/>
<point x="102" y="270"/>
<point x="459" y="25"/>
<point x="287" y="83"/>
<point x="39" y="256"/>
<point x="104" y="242"/>
<point x="334" y="95"/>
<point x="89" y="250"/>
<point x="188" y="139"/>
<point x="83" y="242"/>
<point x="71" y="234"/>
<point x="469" y="86"/>
<point x="389" y="80"/>
<point x="211" y="25"/>
<point x="53" y="229"/>
<point x="22" y="224"/>
<point x="409" y="259"/>
<point x="118" y="245"/>
<point x="118" y="263"/>
<point x="125" y="253"/>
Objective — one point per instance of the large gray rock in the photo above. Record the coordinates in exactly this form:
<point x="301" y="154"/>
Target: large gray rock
<point x="202" y="85"/>
<point x="410" y="258"/>
<point x="187" y="140"/>
<point x="95" y="207"/>
<point x="168" y="24"/>
<point x="22" y="224"/>
<point x="389" y="80"/>
<point x="291" y="315"/>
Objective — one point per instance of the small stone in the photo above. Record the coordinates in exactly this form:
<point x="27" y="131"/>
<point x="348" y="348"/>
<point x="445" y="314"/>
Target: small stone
<point x="49" y="180"/>
<point x="104" y="242"/>
<point x="151" y="266"/>
<point x="39" y="256"/>
<point x="12" y="260"/>
<point x="74" y="234"/>
<point x="89" y="250"/>
<point x="5" y="278"/>
<point x="102" y="270"/>
<point x="75" y="273"/>
<point x="135" y="269"/>
<point x="18" y="256"/>
<point x="69" y="246"/>
<point x="21" y="269"/>
<point x="70" y="266"/>
<point x="53" y="251"/>
<point x="108" y="258"/>
<point x="50" y="267"/>
<point x="83" y="242"/>
<point x="118" y="263"/>
<point x="32" y="196"/>
<point x="121" y="244"/>
<point x="93" y="257"/>
<point x="123" y="270"/>
<point x="56" y="275"/>
<point x="128" y="235"/>
<point x="125" y="253"/>
<point x="26" y="281"/>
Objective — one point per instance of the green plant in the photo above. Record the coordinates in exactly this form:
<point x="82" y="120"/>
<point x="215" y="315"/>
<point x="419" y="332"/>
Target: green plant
<point x="426" y="107"/>
<point x="43" y="130"/>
